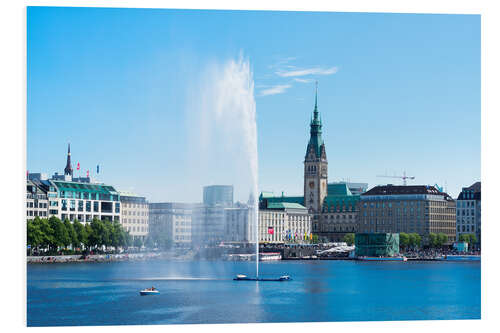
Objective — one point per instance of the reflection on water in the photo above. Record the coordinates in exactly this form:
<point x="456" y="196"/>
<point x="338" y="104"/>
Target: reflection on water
<point x="204" y="292"/>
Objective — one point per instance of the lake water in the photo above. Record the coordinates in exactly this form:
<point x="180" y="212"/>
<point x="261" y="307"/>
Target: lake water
<point x="204" y="292"/>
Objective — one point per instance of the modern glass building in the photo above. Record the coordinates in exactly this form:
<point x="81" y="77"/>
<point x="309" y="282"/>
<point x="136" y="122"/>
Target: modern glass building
<point x="218" y="195"/>
<point x="377" y="244"/>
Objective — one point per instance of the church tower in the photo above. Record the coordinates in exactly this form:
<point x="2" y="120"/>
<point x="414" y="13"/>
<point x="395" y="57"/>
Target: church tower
<point x="68" y="170"/>
<point x="315" y="165"/>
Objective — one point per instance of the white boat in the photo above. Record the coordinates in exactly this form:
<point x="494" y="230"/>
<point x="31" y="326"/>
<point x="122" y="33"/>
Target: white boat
<point x="149" y="291"/>
<point x="267" y="256"/>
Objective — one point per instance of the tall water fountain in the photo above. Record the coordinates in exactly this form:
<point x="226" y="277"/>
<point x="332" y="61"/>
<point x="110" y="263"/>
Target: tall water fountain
<point x="224" y="107"/>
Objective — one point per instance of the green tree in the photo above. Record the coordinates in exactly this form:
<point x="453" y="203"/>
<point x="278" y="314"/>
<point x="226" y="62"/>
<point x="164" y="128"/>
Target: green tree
<point x="47" y="232"/>
<point x="441" y="239"/>
<point x="117" y="235"/>
<point x="349" y="238"/>
<point x="472" y="239"/>
<point x="34" y="233"/>
<point x="87" y="236"/>
<point x="107" y="233"/>
<point x="138" y="242"/>
<point x="95" y="237"/>
<point x="464" y="238"/>
<point x="418" y="240"/>
<point x="404" y="240"/>
<point x="433" y="240"/>
<point x="60" y="235"/>
<point x="81" y="233"/>
<point x="72" y="236"/>
<point x="412" y="242"/>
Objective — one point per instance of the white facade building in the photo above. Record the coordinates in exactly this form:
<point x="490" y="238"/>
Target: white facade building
<point x="284" y="222"/>
<point x="135" y="214"/>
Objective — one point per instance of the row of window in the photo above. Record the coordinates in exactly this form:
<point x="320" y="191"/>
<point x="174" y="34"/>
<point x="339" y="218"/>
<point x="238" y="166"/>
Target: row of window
<point x="36" y="213"/>
<point x="138" y="221"/>
<point x="465" y="204"/>
<point x="88" y="196"/>
<point x="137" y="229"/>
<point x="36" y="205"/>
<point x="464" y="212"/>
<point x="465" y="228"/>
<point x="182" y="237"/>
<point x="134" y="213"/>
<point x="105" y="207"/>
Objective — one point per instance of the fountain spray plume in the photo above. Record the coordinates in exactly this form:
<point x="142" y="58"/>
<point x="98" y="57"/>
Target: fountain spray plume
<point x="228" y="133"/>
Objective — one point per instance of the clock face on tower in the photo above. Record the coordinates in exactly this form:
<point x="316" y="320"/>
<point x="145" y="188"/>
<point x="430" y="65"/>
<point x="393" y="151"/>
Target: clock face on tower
<point x="311" y="184"/>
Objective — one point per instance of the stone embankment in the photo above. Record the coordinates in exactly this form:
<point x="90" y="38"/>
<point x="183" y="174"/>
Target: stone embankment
<point x="96" y="258"/>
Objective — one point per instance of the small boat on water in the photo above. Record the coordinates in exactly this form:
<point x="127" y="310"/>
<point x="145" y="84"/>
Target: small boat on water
<point x="268" y="256"/>
<point x="149" y="291"/>
<point x="242" y="277"/>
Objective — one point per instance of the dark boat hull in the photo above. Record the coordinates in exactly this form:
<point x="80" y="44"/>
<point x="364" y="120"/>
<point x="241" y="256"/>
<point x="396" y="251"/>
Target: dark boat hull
<point x="260" y="279"/>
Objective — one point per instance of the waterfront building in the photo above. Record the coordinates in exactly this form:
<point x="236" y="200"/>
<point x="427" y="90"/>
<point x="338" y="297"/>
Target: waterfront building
<point x="377" y="244"/>
<point x="83" y="202"/>
<point x="218" y="195"/>
<point x="36" y="200"/>
<point x="170" y="222"/>
<point x="469" y="211"/>
<point x="339" y="213"/>
<point x="208" y="224"/>
<point x="417" y="209"/>
<point x="238" y="223"/>
<point x="354" y="188"/>
<point x="78" y="201"/>
<point x="283" y="221"/>
<point x="135" y="214"/>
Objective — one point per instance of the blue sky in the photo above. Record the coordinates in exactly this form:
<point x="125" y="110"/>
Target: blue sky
<point x="397" y="92"/>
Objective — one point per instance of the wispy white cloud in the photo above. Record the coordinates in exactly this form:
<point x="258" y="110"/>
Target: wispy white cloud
<point x="282" y="62"/>
<point x="303" y="80"/>
<point x="308" y="71"/>
<point x="278" y="89"/>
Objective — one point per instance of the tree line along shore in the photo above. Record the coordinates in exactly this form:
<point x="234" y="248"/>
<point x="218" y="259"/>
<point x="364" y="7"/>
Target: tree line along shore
<point x="53" y="237"/>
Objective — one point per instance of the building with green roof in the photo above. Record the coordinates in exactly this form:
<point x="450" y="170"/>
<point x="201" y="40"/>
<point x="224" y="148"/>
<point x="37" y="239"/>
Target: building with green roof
<point x="283" y="219"/>
<point x="82" y="201"/>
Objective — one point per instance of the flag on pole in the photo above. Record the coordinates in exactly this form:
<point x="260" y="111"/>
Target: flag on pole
<point x="270" y="230"/>
<point x="78" y="166"/>
<point x="97" y="168"/>
<point x="87" y="173"/>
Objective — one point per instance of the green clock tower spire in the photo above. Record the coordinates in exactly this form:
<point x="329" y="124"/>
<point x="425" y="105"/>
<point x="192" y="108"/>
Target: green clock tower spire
<point x="315" y="165"/>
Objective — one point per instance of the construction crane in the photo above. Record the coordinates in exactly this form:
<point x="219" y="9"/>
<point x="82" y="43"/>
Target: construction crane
<point x="404" y="177"/>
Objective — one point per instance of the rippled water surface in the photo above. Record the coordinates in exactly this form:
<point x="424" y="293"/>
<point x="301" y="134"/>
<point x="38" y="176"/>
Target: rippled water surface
<point x="204" y="292"/>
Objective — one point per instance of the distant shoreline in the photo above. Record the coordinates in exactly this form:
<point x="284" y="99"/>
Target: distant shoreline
<point x="55" y="259"/>
<point x="95" y="258"/>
